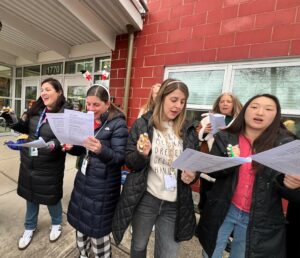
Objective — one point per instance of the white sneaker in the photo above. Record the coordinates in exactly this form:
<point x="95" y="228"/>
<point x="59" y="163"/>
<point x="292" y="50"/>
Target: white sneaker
<point x="55" y="233"/>
<point x="25" y="240"/>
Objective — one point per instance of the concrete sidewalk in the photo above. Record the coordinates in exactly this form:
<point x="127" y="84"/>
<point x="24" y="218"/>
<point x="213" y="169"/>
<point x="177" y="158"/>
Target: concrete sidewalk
<point x="12" y="212"/>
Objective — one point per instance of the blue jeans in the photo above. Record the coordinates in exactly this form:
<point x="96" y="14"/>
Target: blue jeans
<point x="32" y="213"/>
<point x="236" y="221"/>
<point x="153" y="211"/>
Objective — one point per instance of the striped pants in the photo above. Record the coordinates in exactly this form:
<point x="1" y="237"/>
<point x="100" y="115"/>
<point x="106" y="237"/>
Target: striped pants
<point x="100" y="246"/>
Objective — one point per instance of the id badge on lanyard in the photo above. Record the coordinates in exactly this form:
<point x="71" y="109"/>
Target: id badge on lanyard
<point x="33" y="152"/>
<point x="84" y="165"/>
<point x="170" y="182"/>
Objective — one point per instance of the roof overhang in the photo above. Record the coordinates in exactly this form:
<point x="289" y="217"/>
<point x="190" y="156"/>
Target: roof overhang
<point x="39" y="31"/>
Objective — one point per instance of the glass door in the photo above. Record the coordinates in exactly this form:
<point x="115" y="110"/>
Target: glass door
<point x="75" y="91"/>
<point x="30" y="93"/>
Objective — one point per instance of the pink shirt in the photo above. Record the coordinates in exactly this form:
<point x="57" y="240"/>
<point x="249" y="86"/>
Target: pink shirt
<point x="242" y="196"/>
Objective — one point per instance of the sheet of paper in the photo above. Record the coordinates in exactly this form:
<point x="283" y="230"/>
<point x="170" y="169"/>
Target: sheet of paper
<point x="58" y="123"/>
<point x="72" y="127"/>
<point x="40" y="143"/>
<point x="217" y="122"/>
<point x="284" y="158"/>
<point x="198" y="161"/>
<point x="80" y="126"/>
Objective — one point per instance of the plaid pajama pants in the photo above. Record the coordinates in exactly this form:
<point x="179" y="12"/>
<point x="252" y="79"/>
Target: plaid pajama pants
<point x="100" y="246"/>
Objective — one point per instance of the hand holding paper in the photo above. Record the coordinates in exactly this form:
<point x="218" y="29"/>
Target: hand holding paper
<point x="217" y="122"/>
<point x="284" y="158"/>
<point x="72" y="127"/>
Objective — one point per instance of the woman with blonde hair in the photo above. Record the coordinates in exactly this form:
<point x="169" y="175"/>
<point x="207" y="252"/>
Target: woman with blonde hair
<point x="228" y="105"/>
<point x="150" y="101"/>
<point x="155" y="193"/>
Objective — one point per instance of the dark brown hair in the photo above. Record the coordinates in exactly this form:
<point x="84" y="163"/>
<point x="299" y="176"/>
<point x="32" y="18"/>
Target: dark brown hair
<point x="102" y="93"/>
<point x="39" y="104"/>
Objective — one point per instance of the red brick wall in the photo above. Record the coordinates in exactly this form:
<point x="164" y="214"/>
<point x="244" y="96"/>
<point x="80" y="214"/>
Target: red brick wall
<point x="198" y="31"/>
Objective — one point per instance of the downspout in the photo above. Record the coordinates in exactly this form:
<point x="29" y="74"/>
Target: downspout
<point x="130" y="30"/>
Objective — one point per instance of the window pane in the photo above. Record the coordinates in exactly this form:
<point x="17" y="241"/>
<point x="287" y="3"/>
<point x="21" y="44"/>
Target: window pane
<point x="4" y="102"/>
<point x="195" y="115"/>
<point x="102" y="63"/>
<point x="18" y="108"/>
<point x="5" y="71"/>
<point x="98" y="79"/>
<point x="78" y="65"/>
<point x="30" y="95"/>
<point x="76" y="97"/>
<point x="204" y="86"/>
<point x="282" y="82"/>
<point x="32" y="71"/>
<point x="292" y="123"/>
<point x="55" y="68"/>
<point x="4" y="87"/>
<point x="19" y="72"/>
<point x="18" y="90"/>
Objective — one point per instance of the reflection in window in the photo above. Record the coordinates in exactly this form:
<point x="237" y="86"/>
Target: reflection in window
<point x="78" y="65"/>
<point x="18" y="108"/>
<point x="102" y="64"/>
<point x="30" y="96"/>
<point x="292" y="123"/>
<point x="4" y="102"/>
<point x="4" y="87"/>
<point x="32" y="71"/>
<point x="203" y="86"/>
<point x="76" y="97"/>
<point x="195" y="115"/>
<point x="282" y="82"/>
<point x="19" y="72"/>
<point x="5" y="71"/>
<point x="18" y="89"/>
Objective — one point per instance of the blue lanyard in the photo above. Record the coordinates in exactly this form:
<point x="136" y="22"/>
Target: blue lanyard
<point x="42" y="117"/>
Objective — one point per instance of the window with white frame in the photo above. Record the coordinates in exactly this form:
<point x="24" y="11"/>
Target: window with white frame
<point x="206" y="82"/>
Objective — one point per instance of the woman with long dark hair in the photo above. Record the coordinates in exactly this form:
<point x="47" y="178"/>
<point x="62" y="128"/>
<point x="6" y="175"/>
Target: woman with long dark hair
<point x="97" y="184"/>
<point x="41" y="170"/>
<point x="246" y="200"/>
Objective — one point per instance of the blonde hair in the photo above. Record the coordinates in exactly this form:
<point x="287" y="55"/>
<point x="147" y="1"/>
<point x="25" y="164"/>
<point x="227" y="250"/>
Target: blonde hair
<point x="150" y="101"/>
<point x="236" y="107"/>
<point x="167" y="87"/>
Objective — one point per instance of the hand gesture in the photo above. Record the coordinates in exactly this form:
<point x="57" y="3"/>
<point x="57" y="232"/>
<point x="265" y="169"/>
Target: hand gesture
<point x="66" y="147"/>
<point x="208" y="128"/>
<point x="233" y="151"/>
<point x="143" y="144"/>
<point x="92" y="144"/>
<point x="188" y="176"/>
<point x="291" y="181"/>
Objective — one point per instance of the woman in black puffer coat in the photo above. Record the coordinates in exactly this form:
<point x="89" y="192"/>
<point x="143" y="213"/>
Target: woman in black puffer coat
<point x="41" y="170"/>
<point x="155" y="193"/>
<point x="247" y="199"/>
<point x="98" y="180"/>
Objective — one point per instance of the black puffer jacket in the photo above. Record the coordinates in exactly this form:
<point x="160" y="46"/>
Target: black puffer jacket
<point x="41" y="177"/>
<point x="266" y="229"/>
<point x="293" y="230"/>
<point x="95" y="195"/>
<point x="136" y="184"/>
